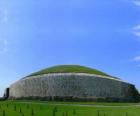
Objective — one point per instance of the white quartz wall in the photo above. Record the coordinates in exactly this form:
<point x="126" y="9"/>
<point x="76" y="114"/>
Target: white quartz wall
<point x="75" y="85"/>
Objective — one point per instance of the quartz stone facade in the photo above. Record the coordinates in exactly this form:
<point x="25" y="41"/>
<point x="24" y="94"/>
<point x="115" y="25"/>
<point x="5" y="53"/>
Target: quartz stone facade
<point x="80" y="86"/>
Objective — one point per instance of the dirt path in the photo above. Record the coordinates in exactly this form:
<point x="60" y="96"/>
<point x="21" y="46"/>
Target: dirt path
<point x="84" y="105"/>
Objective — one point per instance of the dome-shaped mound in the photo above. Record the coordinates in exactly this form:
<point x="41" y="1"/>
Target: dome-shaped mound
<point x="72" y="82"/>
<point x="69" y="69"/>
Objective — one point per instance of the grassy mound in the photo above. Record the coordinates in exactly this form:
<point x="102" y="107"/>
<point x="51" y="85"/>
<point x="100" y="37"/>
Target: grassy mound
<point x="69" y="69"/>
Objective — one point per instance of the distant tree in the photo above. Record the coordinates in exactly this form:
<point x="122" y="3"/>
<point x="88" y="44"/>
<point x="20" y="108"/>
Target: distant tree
<point x="74" y="111"/>
<point x="126" y="114"/>
<point x="20" y="110"/>
<point x="3" y="113"/>
<point x="54" y="111"/>
<point x="32" y="112"/>
<point x="15" y="108"/>
<point x="98" y="113"/>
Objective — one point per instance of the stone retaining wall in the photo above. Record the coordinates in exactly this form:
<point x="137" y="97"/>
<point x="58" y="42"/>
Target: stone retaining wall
<point x="73" y="85"/>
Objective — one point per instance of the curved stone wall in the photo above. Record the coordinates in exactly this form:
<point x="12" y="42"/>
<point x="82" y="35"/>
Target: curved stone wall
<point x="75" y="85"/>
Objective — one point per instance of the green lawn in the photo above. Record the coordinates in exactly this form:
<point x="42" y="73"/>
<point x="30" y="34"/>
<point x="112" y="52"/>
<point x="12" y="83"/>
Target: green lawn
<point x="22" y="108"/>
<point x="69" y="69"/>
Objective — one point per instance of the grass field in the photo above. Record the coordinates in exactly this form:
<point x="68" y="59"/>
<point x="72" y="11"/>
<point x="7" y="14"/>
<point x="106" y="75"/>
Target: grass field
<point x="16" y="108"/>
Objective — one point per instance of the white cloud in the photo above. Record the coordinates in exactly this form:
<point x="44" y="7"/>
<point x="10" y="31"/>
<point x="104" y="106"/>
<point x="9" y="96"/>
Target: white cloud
<point x="138" y="65"/>
<point x="3" y="41"/>
<point x="137" y="58"/>
<point x="3" y="45"/>
<point x="136" y="30"/>
<point x="3" y="15"/>
<point x="136" y="2"/>
<point x="137" y="27"/>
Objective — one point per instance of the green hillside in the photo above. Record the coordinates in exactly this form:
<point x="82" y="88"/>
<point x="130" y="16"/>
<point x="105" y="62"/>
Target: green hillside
<point x="69" y="69"/>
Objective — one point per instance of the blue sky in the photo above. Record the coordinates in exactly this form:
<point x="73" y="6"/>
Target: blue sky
<point x="100" y="34"/>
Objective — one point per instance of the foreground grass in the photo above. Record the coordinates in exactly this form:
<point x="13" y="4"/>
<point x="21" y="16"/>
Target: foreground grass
<point x="22" y="108"/>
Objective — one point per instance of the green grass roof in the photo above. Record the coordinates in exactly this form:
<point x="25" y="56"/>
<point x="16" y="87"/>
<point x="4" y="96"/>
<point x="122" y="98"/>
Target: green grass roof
<point x="69" y="69"/>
